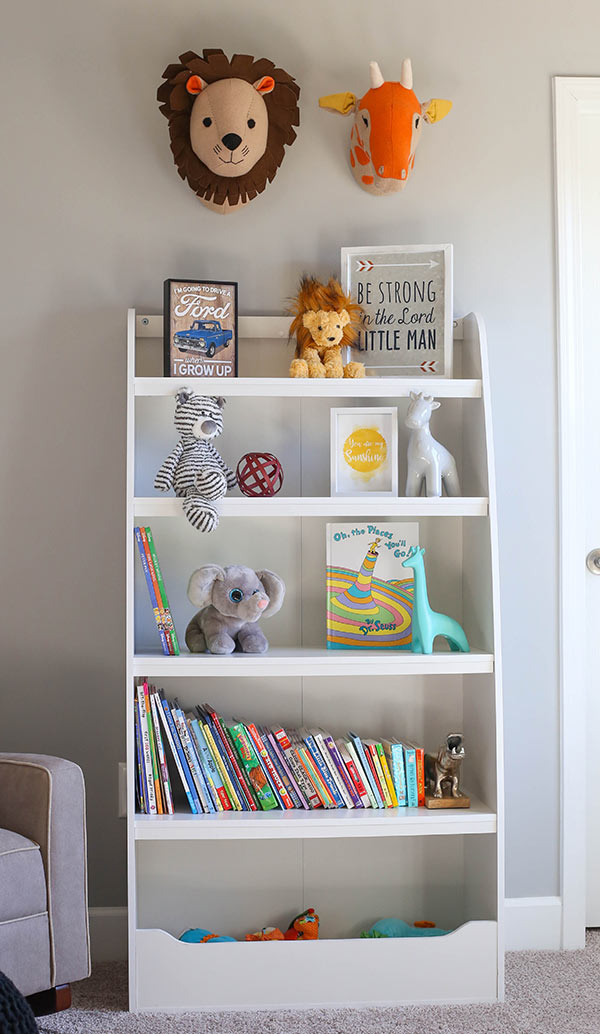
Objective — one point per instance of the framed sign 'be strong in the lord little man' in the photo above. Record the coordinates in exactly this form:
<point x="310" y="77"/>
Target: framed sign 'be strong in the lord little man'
<point x="405" y="291"/>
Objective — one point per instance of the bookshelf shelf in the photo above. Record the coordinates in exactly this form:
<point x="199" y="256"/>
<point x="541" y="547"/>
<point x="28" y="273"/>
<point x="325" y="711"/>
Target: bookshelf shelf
<point x="307" y="506"/>
<point x="353" y="866"/>
<point x="312" y="662"/>
<point x="284" y="387"/>
<point x="322" y="824"/>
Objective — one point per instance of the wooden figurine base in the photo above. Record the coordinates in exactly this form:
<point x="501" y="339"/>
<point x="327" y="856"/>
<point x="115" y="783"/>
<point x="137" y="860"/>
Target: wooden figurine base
<point x="447" y="802"/>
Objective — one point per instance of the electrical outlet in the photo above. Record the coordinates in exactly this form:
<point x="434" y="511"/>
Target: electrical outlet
<point x="122" y="783"/>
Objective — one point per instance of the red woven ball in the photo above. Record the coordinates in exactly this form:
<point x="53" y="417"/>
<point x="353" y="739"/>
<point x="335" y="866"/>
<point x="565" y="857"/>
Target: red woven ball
<point x="259" y="473"/>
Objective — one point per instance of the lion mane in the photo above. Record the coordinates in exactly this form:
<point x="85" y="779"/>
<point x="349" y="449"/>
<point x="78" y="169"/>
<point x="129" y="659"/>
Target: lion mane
<point x="176" y="105"/>
<point x="314" y="296"/>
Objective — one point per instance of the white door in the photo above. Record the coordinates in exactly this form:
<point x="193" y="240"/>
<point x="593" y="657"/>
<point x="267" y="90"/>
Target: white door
<point x="589" y="141"/>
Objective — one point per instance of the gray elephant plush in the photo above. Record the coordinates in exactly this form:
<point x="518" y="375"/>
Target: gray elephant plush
<point x="231" y="600"/>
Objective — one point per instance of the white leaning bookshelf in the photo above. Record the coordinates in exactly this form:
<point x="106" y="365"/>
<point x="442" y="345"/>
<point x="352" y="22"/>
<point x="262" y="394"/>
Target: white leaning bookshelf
<point x="233" y="873"/>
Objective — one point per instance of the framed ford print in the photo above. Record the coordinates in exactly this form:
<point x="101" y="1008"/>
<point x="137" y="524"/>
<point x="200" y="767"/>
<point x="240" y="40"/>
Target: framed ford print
<point x="405" y="291"/>
<point x="200" y="328"/>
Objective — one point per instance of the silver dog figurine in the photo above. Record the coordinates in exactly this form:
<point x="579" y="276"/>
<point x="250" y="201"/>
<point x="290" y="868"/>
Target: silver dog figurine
<point x="443" y="768"/>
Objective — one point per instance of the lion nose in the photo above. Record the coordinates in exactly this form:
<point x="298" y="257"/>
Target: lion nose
<point x="331" y="339"/>
<point x="231" y="141"/>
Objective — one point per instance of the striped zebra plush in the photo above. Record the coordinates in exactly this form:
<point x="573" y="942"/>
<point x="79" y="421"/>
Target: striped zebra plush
<point x="194" y="469"/>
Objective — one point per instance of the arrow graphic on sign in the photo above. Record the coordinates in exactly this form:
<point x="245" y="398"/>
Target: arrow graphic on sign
<point x="366" y="265"/>
<point x="428" y="366"/>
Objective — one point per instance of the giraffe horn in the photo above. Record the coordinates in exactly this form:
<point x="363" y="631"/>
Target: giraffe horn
<point x="376" y="76"/>
<point x="406" y="77"/>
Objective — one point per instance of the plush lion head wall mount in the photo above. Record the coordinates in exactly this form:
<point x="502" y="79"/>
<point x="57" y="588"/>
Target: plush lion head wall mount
<point x="229" y="121"/>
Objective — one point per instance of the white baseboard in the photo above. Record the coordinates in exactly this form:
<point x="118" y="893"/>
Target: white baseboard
<point x="533" y="924"/>
<point x="108" y="934"/>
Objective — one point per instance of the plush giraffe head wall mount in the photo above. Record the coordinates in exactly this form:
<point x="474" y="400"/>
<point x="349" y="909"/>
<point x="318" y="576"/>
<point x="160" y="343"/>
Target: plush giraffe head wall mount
<point x="388" y="122"/>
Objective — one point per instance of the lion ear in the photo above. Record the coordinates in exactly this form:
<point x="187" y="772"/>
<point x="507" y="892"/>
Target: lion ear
<point x="344" y="317"/>
<point x="310" y="320"/>
<point x="195" y="84"/>
<point x="264" y="85"/>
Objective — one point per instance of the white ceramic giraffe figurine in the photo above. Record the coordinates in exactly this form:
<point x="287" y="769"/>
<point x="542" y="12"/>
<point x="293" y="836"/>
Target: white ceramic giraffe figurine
<point x="428" y="461"/>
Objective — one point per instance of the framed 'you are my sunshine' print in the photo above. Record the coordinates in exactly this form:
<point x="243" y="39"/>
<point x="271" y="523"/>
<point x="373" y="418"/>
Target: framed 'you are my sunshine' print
<point x="405" y="291"/>
<point x="364" y="451"/>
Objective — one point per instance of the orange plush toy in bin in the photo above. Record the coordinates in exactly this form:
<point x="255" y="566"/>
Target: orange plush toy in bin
<point x="304" y="927"/>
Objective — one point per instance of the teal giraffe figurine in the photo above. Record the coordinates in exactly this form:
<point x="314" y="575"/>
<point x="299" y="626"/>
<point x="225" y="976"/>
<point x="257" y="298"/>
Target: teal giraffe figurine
<point x="427" y="623"/>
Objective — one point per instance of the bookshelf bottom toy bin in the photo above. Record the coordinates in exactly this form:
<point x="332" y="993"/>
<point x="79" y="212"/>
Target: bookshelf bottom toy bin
<point x="236" y="888"/>
<point x="173" y="976"/>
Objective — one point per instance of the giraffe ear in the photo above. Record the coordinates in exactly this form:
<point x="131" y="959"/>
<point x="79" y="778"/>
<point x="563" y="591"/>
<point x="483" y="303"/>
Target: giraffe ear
<point x="435" y="405"/>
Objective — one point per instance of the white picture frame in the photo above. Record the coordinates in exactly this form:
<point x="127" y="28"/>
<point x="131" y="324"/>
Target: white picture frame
<point x="406" y="292"/>
<point x="374" y="448"/>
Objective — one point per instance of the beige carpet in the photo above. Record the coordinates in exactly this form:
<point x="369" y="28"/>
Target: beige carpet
<point x="546" y="993"/>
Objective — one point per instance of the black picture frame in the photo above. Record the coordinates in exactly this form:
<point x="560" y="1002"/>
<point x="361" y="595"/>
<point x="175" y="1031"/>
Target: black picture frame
<point x="187" y="351"/>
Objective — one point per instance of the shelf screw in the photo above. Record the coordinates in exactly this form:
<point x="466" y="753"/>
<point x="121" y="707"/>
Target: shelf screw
<point x="145" y="321"/>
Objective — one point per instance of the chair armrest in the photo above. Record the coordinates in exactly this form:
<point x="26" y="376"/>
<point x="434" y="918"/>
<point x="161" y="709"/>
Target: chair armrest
<point x="43" y="798"/>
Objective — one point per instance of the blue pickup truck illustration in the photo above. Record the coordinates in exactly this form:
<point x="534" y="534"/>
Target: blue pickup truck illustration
<point x="206" y="336"/>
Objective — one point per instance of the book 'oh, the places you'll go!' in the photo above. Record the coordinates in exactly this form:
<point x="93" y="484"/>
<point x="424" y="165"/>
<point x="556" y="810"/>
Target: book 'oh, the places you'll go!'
<point x="369" y="592"/>
<point x="200" y="328"/>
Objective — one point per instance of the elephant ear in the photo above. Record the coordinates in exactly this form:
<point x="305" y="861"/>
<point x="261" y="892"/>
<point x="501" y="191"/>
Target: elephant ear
<point x="201" y="583"/>
<point x="274" y="587"/>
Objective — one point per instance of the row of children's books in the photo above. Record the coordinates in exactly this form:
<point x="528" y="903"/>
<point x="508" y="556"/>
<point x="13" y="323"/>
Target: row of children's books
<point x="234" y="765"/>
<point x="157" y="591"/>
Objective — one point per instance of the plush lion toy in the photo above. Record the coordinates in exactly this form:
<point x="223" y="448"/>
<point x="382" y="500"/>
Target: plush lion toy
<point x="325" y="321"/>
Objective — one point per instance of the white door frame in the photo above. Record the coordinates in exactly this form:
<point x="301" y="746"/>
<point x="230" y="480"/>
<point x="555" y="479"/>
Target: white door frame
<point x="574" y="99"/>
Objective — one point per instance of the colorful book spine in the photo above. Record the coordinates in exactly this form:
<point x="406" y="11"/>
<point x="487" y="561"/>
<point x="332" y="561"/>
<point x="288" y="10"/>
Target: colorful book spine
<point x="381" y="783"/>
<point x="272" y="772"/>
<point x="192" y="760"/>
<point x="395" y="758"/>
<point x="350" y="747"/>
<point x="178" y="754"/>
<point x="352" y="770"/>
<point x="139" y="751"/>
<point x="252" y="767"/>
<point x="292" y="786"/>
<point x="238" y="775"/>
<point x="410" y="763"/>
<point x="420" y="758"/>
<point x="153" y="754"/>
<point x="343" y="773"/>
<point x="155" y="589"/>
<point x="162" y="758"/>
<point x="335" y="775"/>
<point x="224" y="771"/>
<point x="210" y="767"/>
<point x="207" y="777"/>
<point x="387" y="775"/>
<point x="312" y="772"/>
<point x="157" y="615"/>
<point x="245" y="782"/>
<point x="295" y="766"/>
<point x="162" y="593"/>
<point x="374" y="751"/>
<point x="275" y="763"/>
<point x="147" y="755"/>
<point x="323" y="770"/>
<point x="281" y="772"/>
<point x="368" y="768"/>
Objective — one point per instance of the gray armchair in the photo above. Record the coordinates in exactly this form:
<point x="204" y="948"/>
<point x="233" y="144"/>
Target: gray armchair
<point x="44" y="939"/>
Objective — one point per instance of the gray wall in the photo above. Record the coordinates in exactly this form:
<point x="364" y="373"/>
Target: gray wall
<point x="95" y="217"/>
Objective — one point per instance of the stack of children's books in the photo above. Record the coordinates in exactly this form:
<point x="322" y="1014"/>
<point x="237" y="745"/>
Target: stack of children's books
<point x="156" y="590"/>
<point x="234" y="765"/>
